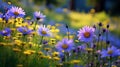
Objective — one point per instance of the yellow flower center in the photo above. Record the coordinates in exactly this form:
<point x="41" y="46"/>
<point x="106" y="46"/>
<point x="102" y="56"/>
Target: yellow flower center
<point x="64" y="46"/>
<point x="110" y="52"/>
<point x="16" y="13"/>
<point x="87" y="34"/>
<point x="44" y="32"/>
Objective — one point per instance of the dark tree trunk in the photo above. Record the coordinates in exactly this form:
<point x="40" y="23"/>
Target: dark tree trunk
<point x="72" y="4"/>
<point x="116" y="8"/>
<point x="100" y="5"/>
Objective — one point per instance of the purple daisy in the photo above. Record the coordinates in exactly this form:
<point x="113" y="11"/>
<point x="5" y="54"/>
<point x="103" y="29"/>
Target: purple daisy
<point x="86" y="34"/>
<point x="38" y="15"/>
<point x="44" y="31"/>
<point x="5" y="32"/>
<point x="24" y="30"/>
<point x="16" y="12"/>
<point x="65" y="45"/>
<point x="111" y="51"/>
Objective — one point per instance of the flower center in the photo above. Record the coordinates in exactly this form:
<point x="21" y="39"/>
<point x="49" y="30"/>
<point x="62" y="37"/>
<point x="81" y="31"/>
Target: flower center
<point x="16" y="13"/>
<point x="37" y="18"/>
<point x="87" y="34"/>
<point x="110" y="52"/>
<point x="64" y="46"/>
<point x="44" y="32"/>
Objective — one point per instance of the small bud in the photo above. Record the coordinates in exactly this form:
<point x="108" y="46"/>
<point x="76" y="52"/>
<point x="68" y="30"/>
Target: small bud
<point x="66" y="26"/>
<point x="108" y="25"/>
<point x="100" y="24"/>
<point x="99" y="34"/>
<point x="45" y="42"/>
<point x="104" y="30"/>
<point x="94" y="26"/>
<point x="108" y="42"/>
<point x="74" y="50"/>
<point x="94" y="46"/>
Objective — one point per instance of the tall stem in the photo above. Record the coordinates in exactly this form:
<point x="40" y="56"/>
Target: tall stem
<point x="35" y="25"/>
<point x="41" y="40"/>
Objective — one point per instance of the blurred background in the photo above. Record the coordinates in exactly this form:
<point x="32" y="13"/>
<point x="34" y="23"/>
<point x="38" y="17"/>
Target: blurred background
<point x="74" y="13"/>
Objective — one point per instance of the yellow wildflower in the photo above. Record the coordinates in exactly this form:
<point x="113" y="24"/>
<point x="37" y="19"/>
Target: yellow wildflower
<point x="54" y="54"/>
<point x="40" y="53"/>
<point x="75" y="61"/>
<point x="2" y="44"/>
<point x="17" y="42"/>
<point x="16" y="50"/>
<point x="47" y="49"/>
<point x="89" y="49"/>
<point x="56" y="58"/>
<point x="27" y="53"/>
<point x="19" y="65"/>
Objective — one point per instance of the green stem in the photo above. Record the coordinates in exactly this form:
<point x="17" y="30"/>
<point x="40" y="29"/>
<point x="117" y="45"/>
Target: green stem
<point x="41" y="40"/>
<point x="35" y="25"/>
<point x="110" y="61"/>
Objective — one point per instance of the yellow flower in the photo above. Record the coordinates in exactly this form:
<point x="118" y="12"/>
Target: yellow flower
<point x="19" y="20"/>
<point x="8" y="44"/>
<point x="59" y="65"/>
<point x="19" y="34"/>
<point x="9" y="2"/>
<point x="17" y="42"/>
<point x="16" y="50"/>
<point x="47" y="57"/>
<point x="14" y="38"/>
<point x="40" y="53"/>
<point x="25" y="24"/>
<point x="57" y="25"/>
<point x="2" y="44"/>
<point x="49" y="26"/>
<point x="56" y="58"/>
<point x="114" y="66"/>
<point x="18" y="24"/>
<point x="76" y="41"/>
<point x="28" y="18"/>
<point x="75" y="61"/>
<point x="89" y="49"/>
<point x="54" y="30"/>
<point x="58" y="37"/>
<point x="92" y="11"/>
<point x="1" y="20"/>
<point x="11" y="21"/>
<point x="33" y="33"/>
<point x="47" y="49"/>
<point x="32" y="51"/>
<point x="52" y="41"/>
<point x="27" y="53"/>
<point x="19" y="65"/>
<point x="30" y="44"/>
<point x="6" y="37"/>
<point x="54" y="54"/>
<point x="13" y="29"/>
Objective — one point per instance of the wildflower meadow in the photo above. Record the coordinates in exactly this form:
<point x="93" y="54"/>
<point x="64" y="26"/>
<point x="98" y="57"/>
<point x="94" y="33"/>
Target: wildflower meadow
<point x="36" y="40"/>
